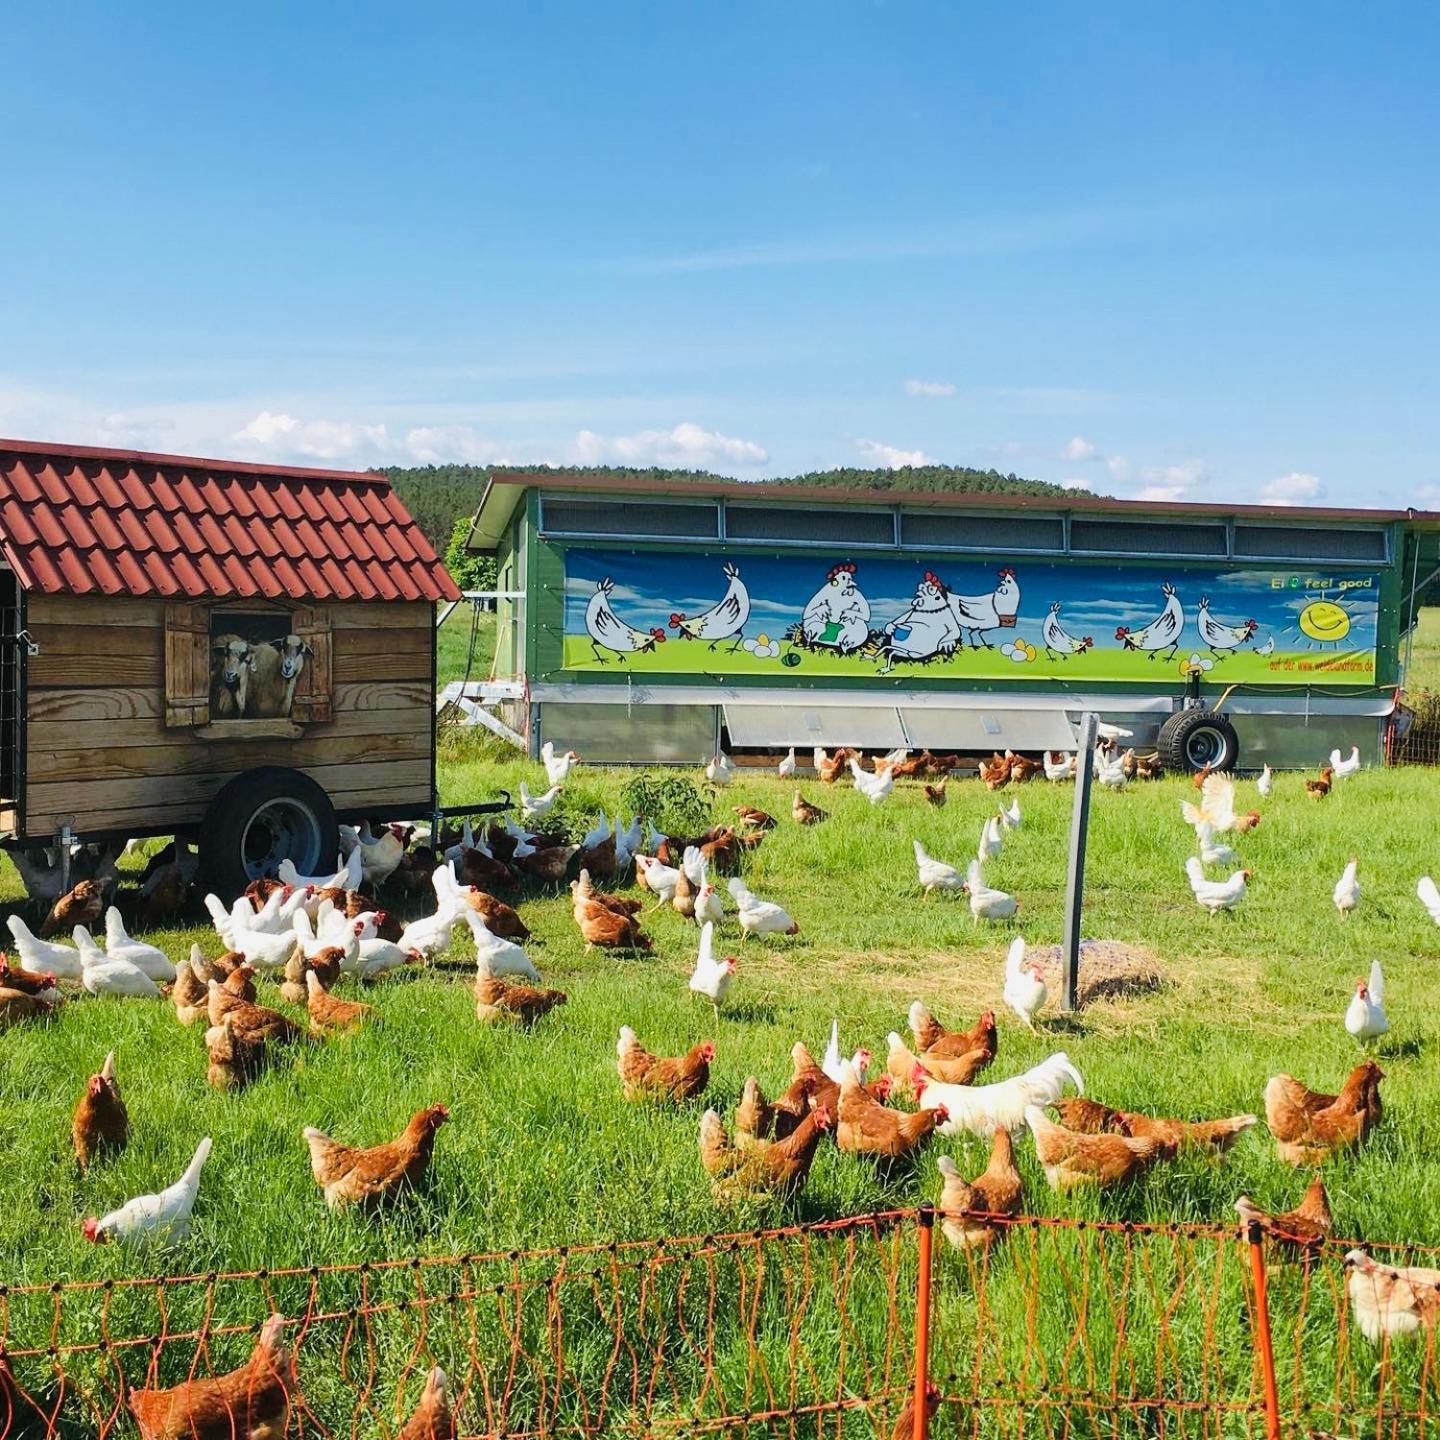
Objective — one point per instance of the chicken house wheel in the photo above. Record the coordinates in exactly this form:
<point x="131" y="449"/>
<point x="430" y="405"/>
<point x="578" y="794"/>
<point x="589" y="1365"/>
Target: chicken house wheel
<point x="261" y="818"/>
<point x="1191" y="740"/>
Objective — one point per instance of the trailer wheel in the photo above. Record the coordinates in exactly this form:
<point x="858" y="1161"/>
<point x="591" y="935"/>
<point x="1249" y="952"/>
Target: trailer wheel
<point x="1192" y="739"/>
<point x="261" y="818"/>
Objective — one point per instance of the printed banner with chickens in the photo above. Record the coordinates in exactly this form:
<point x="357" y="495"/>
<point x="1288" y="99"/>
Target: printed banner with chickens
<point x="741" y="614"/>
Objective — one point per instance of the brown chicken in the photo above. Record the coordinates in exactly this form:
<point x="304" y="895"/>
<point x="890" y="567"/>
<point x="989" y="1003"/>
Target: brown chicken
<point x="760" y="819"/>
<point x="831" y="768"/>
<point x="811" y="1086"/>
<point x="601" y="926"/>
<point x="722" y="851"/>
<point x="234" y="1063"/>
<point x="754" y="1116"/>
<point x="101" y="1124"/>
<point x="914" y="767"/>
<point x="28" y="982"/>
<point x="868" y="1128"/>
<point x="995" y="772"/>
<point x="434" y="1418"/>
<point x="779" y="1168"/>
<point x="600" y="859"/>
<point x="804" y="813"/>
<point x="330" y="1013"/>
<point x="501" y="843"/>
<point x="324" y="963"/>
<point x="251" y="1403"/>
<point x="1299" y="1234"/>
<point x="499" y="998"/>
<point x="500" y="919"/>
<point x="683" y="900"/>
<point x="413" y="873"/>
<point x="997" y="1190"/>
<point x="1316" y="788"/>
<point x="81" y="906"/>
<point x="647" y="1076"/>
<point x="1310" y="1127"/>
<point x="251" y="1023"/>
<point x="1149" y="767"/>
<point x="167" y="897"/>
<point x="955" y="1057"/>
<point x="1069" y="1158"/>
<point x="478" y="869"/>
<point x="240" y="982"/>
<point x="16" y="1005"/>
<point x="350" y="1176"/>
<point x="1023" y="770"/>
<point x="904" y="1426"/>
<point x="935" y="794"/>
<point x="1089" y="1117"/>
<point x="1199" y="778"/>
<point x="547" y="866"/>
<point x="190" y="994"/>
<point x="582" y="889"/>
<point x="216" y="969"/>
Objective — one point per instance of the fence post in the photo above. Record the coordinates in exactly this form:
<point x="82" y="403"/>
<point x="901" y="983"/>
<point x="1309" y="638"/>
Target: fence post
<point x="925" y="1220"/>
<point x="1075" y="872"/>
<point x="1256" y="1239"/>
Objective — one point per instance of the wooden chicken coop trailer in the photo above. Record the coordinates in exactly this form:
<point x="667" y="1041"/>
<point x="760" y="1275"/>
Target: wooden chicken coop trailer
<point x="236" y="653"/>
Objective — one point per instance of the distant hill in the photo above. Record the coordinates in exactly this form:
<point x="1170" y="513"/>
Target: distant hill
<point x="438" y="495"/>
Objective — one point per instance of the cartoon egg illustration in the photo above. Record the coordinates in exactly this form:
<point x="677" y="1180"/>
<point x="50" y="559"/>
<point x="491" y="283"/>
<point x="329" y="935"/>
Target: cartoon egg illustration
<point x="1324" y="620"/>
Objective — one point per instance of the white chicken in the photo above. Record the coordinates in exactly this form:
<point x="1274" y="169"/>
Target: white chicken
<point x="1365" y="1017"/>
<point x="1216" y="895"/>
<point x="104" y="974"/>
<point x="62" y="961"/>
<point x="598" y="833"/>
<point x="833" y="1063"/>
<point x="935" y="874"/>
<point x="1347" y="889"/>
<point x="608" y="631"/>
<point x="1217" y="806"/>
<point x="149" y="958"/>
<point x="380" y="855"/>
<point x="349" y="876"/>
<point x="1344" y="768"/>
<point x="711" y="977"/>
<point x="983" y="1109"/>
<point x="1390" y="1301"/>
<point x="721" y="769"/>
<point x="1162" y="633"/>
<point x="875" y="787"/>
<point x="1220" y="638"/>
<point x="987" y="903"/>
<point x="1425" y="888"/>
<point x="992" y="840"/>
<point x="264" y="949"/>
<point x="431" y="934"/>
<point x="709" y="907"/>
<point x="725" y="620"/>
<point x="163" y="1217"/>
<point x="557" y="767"/>
<point x="757" y="916"/>
<point x="694" y="864"/>
<point x="1266" y="783"/>
<point x="1009" y="816"/>
<point x="1025" y="990"/>
<point x="1212" y="851"/>
<point x="786" y="767"/>
<point x="498" y="956"/>
<point x="1061" y="769"/>
<point x="1110" y="771"/>
<point x="660" y="879"/>
<point x="536" y="807"/>
<point x="627" y="841"/>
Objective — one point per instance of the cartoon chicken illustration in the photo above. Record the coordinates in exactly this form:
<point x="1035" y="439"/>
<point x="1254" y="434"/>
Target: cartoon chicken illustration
<point x="928" y="628"/>
<point x="838" y="615"/>
<point x="978" y="615"/>
<point x="1221" y="639"/>
<point x="1058" y="642"/>
<point x="722" y="621"/>
<point x="1162" y="633"/>
<point x="609" y="632"/>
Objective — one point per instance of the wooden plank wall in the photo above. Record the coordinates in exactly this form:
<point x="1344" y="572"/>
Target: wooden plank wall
<point x="99" y="753"/>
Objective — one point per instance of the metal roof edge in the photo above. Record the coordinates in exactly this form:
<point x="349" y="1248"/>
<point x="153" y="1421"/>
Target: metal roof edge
<point x="932" y="499"/>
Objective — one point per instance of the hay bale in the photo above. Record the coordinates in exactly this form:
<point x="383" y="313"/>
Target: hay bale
<point x="1107" y="968"/>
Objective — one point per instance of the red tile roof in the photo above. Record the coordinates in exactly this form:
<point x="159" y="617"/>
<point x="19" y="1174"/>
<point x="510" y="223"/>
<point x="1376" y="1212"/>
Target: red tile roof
<point x="81" y="521"/>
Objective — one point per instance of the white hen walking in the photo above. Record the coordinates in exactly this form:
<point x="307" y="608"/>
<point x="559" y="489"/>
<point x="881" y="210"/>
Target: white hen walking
<point x="1365" y="1018"/>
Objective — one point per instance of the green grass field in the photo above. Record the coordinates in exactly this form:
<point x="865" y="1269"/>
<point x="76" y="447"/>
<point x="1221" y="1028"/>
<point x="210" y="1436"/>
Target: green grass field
<point x="541" y="1150"/>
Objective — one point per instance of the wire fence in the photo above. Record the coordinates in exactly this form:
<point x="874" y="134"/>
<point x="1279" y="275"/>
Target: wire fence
<point x="1023" y="1327"/>
<point x="1413" y="737"/>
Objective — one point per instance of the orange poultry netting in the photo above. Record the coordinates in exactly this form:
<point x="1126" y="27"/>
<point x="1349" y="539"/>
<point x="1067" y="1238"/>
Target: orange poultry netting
<point x="1047" y="1328"/>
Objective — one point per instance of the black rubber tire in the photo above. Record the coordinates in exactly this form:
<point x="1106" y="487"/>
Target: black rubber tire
<point x="1192" y="739"/>
<point x="260" y="818"/>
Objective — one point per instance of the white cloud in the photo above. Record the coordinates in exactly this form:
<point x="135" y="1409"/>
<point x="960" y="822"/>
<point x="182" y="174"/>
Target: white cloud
<point x="1163" y="483"/>
<point x="891" y="457"/>
<point x="1162" y="494"/>
<point x="1074" y="484"/>
<point x="1118" y="466"/>
<point x="271" y="435"/>
<point x="931" y="389"/>
<point x="687" y="446"/>
<point x="451" y="445"/>
<point x="1080" y="449"/>
<point x="1293" y="489"/>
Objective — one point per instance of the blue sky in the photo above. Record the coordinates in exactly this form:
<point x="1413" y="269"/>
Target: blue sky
<point x="1160" y="252"/>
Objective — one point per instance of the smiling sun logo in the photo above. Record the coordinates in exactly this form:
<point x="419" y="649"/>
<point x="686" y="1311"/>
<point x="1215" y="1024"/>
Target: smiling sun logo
<point x="1325" y="622"/>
